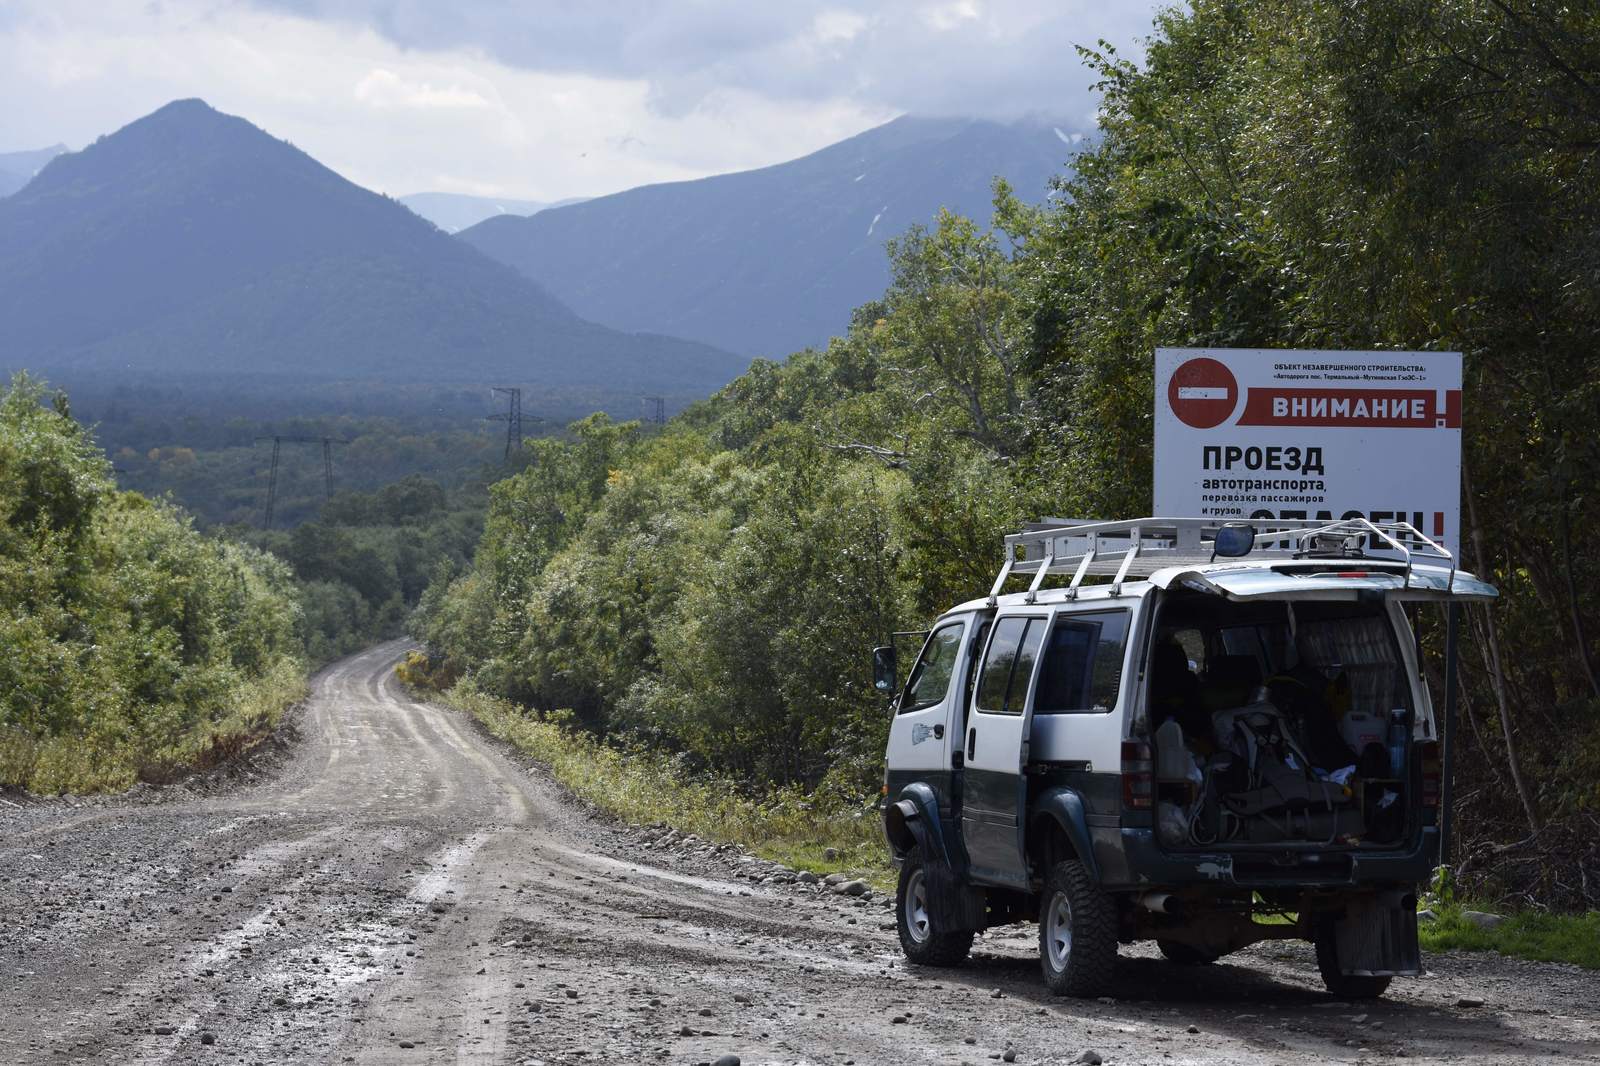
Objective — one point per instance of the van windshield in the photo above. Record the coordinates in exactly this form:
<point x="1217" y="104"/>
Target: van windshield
<point x="930" y="678"/>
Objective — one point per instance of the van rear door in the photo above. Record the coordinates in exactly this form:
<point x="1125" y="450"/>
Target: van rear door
<point x="1346" y="581"/>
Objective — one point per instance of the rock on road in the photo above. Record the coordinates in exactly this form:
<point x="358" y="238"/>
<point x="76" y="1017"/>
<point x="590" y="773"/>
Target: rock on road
<point x="402" y="889"/>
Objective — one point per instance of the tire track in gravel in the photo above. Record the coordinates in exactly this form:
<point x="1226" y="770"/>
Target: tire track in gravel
<point x="403" y="889"/>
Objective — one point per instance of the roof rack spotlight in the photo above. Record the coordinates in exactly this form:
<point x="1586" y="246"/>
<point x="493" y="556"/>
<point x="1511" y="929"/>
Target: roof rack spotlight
<point x="1234" y="540"/>
<point x="1332" y="543"/>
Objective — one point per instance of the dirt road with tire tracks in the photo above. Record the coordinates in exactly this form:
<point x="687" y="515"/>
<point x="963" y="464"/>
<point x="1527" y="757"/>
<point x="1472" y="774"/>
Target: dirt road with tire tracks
<point x="398" y="888"/>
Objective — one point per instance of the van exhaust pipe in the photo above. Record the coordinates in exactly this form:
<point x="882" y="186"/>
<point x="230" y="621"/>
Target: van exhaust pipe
<point x="1160" y="902"/>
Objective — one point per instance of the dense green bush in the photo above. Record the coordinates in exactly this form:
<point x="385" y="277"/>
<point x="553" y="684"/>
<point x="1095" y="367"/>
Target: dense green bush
<point x="130" y="645"/>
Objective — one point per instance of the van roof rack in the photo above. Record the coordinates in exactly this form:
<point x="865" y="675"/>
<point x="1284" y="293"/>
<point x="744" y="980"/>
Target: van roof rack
<point x="1139" y="547"/>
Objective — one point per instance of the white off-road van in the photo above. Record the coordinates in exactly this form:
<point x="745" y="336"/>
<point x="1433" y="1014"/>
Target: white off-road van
<point x="1232" y="726"/>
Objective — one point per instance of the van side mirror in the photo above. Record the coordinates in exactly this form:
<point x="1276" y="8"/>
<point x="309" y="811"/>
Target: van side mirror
<point x="885" y="673"/>
<point x="1234" y="540"/>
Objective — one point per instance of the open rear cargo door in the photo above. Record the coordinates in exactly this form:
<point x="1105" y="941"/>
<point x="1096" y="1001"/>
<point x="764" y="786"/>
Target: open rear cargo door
<point x="1347" y="582"/>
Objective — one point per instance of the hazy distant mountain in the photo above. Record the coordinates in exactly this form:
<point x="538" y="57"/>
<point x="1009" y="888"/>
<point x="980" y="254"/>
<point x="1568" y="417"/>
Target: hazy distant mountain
<point x="453" y="212"/>
<point x="767" y="261"/>
<point x="191" y="240"/>
<point x="18" y="168"/>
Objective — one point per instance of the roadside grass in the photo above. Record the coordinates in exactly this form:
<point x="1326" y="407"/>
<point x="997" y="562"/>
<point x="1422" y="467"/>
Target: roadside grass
<point x="1536" y="935"/>
<point x="113" y="757"/>
<point x="645" y="788"/>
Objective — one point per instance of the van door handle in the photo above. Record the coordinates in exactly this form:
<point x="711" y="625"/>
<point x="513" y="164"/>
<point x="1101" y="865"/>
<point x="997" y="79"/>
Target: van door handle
<point x="938" y="731"/>
<point x="972" y="742"/>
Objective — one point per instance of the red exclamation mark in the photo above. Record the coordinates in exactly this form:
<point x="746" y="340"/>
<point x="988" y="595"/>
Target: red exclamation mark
<point x="1438" y="524"/>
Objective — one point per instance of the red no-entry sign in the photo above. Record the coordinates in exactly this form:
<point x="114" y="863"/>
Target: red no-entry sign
<point x="1202" y="393"/>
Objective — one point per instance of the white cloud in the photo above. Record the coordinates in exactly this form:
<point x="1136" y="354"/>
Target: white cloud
<point x="385" y="88"/>
<point x="832" y="26"/>
<point x="543" y="100"/>
<point x="997" y="58"/>
<point x="947" y="17"/>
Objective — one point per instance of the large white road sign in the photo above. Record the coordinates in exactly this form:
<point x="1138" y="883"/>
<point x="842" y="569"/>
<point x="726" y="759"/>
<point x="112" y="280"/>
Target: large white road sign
<point x="1268" y="433"/>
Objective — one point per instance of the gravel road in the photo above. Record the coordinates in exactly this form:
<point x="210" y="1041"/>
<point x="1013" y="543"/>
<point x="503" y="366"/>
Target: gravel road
<point x="395" y="887"/>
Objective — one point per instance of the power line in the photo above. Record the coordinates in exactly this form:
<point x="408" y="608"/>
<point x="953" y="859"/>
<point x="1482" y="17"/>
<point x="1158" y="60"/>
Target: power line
<point x="277" y="448"/>
<point x="658" y="409"/>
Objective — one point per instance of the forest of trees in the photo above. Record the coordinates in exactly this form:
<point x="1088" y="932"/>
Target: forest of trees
<point x="362" y="563"/>
<point x="137" y="646"/>
<point x="209" y="444"/>
<point x="1409" y="174"/>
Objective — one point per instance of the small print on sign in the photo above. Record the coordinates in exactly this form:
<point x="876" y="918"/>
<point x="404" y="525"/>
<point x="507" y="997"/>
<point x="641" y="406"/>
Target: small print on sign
<point x="1310" y="436"/>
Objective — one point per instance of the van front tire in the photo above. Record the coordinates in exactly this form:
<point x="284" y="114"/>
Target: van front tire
<point x="923" y="942"/>
<point x="1077" y="933"/>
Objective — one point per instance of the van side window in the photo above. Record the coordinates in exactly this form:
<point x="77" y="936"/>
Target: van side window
<point x="930" y="678"/>
<point x="1082" y="669"/>
<point x="1003" y="688"/>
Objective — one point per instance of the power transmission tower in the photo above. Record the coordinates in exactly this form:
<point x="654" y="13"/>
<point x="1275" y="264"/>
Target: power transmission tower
<point x="512" y="418"/>
<point x="272" y="481"/>
<point x="658" y="409"/>
<point x="272" y="478"/>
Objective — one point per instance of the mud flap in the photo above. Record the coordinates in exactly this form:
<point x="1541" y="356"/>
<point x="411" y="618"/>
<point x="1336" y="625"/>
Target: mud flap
<point x="953" y="905"/>
<point x="1377" y="936"/>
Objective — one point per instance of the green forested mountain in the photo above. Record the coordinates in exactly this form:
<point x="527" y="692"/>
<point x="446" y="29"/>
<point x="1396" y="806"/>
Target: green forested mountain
<point x="192" y="241"/>
<point x="1278" y="174"/>
<point x="768" y="261"/>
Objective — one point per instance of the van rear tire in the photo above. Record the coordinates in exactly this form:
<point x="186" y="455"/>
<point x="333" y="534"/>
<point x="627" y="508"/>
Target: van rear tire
<point x="1077" y="933"/>
<point x="923" y="942"/>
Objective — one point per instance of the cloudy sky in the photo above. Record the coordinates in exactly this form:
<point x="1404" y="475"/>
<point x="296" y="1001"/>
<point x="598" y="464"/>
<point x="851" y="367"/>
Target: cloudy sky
<point x="543" y="99"/>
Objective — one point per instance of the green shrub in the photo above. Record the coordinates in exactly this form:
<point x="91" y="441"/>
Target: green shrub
<point x="131" y="646"/>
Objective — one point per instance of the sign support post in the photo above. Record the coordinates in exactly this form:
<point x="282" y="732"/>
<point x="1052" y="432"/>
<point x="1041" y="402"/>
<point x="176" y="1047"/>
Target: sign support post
<point x="1447" y="735"/>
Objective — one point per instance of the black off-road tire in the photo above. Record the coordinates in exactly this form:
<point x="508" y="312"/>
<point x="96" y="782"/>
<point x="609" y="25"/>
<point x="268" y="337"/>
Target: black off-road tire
<point x="1086" y="963"/>
<point x="1186" y="954"/>
<point x="1343" y="985"/>
<point x="921" y="940"/>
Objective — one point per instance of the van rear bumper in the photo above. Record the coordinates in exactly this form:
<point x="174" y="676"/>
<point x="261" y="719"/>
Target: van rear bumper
<point x="1131" y="858"/>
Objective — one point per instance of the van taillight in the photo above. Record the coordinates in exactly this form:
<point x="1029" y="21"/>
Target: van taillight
<point x="1432" y="772"/>
<point x="1138" y="775"/>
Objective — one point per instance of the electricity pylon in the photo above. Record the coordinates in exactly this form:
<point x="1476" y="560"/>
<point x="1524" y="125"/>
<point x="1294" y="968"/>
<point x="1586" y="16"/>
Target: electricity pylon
<point x="272" y="478"/>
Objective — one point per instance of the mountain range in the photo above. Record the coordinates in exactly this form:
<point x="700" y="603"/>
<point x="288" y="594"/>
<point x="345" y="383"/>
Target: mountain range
<point x="454" y="212"/>
<point x="768" y="261"/>
<point x="191" y="241"/>
<point x="18" y="168"/>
